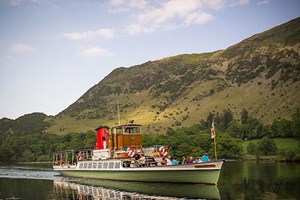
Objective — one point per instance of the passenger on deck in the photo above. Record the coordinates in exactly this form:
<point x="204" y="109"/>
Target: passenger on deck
<point x="132" y="164"/>
<point x="163" y="161"/>
<point x="199" y="160"/>
<point x="174" y="161"/>
<point x="136" y="155"/>
<point x="183" y="161"/>
<point x="205" y="158"/>
<point x="142" y="161"/>
<point x="169" y="161"/>
<point x="191" y="160"/>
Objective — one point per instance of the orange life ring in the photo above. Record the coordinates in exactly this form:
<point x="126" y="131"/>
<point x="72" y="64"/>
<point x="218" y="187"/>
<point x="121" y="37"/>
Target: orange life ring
<point x="129" y="152"/>
<point x="163" y="151"/>
<point x="80" y="155"/>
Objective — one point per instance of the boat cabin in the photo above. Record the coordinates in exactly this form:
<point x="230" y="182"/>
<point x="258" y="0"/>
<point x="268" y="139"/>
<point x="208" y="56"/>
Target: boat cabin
<point x="127" y="135"/>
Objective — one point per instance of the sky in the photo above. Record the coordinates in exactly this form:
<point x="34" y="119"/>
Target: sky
<point x="53" y="51"/>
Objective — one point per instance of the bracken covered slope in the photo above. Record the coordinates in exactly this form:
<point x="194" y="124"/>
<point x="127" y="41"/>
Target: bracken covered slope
<point x="261" y="74"/>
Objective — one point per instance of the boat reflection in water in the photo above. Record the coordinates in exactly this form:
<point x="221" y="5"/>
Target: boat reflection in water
<point x="104" y="189"/>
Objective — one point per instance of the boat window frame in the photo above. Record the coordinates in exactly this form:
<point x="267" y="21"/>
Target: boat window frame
<point x="90" y="165"/>
<point x="132" y="128"/>
<point x="85" y="165"/>
<point x="80" y="165"/>
<point x="94" y="165"/>
<point x="117" y="165"/>
<point x="105" y="165"/>
<point x="100" y="165"/>
<point x="111" y="165"/>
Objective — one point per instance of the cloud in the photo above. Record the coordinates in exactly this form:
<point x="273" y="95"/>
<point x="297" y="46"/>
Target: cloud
<point x="21" y="48"/>
<point x="263" y="2"/>
<point x="15" y="2"/>
<point x="100" y="33"/>
<point x="172" y="14"/>
<point x="129" y="3"/>
<point x="239" y="2"/>
<point x="94" y="51"/>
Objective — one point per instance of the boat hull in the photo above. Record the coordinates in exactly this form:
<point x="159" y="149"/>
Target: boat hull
<point x="169" y="174"/>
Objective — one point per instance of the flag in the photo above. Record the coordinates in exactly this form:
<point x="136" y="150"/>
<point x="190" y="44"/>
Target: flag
<point x="213" y="133"/>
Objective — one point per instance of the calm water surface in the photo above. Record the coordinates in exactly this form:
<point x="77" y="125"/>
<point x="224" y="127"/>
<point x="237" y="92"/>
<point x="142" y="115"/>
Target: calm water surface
<point x="238" y="180"/>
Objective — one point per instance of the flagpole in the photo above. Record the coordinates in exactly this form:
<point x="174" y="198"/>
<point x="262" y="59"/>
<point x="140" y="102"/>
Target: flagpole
<point x="215" y="140"/>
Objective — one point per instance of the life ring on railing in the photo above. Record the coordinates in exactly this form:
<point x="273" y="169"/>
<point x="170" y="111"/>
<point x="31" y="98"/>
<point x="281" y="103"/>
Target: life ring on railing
<point x="163" y="151"/>
<point x="129" y="152"/>
<point x="80" y="155"/>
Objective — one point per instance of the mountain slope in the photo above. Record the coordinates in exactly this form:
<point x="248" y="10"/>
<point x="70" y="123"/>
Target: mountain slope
<point x="261" y="74"/>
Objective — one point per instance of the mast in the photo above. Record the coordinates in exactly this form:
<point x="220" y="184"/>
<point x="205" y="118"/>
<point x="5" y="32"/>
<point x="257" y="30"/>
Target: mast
<point x="118" y="112"/>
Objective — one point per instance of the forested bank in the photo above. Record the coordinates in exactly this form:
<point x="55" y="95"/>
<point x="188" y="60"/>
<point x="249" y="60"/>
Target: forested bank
<point x="37" y="145"/>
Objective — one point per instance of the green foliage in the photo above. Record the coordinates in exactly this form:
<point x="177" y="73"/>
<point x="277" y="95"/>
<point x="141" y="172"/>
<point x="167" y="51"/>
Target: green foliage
<point x="266" y="147"/>
<point x="287" y="155"/>
<point x="41" y="146"/>
<point x="251" y="148"/>
<point x="244" y="116"/>
<point x="295" y="127"/>
<point x="228" y="147"/>
<point x="281" y="128"/>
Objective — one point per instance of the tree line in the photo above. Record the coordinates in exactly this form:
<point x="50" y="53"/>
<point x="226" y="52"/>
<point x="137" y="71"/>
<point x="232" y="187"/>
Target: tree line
<point x="186" y="141"/>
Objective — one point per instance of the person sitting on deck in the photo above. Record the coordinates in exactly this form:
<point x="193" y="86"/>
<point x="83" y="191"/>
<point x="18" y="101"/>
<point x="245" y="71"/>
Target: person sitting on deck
<point x="191" y="160"/>
<point x="205" y="158"/>
<point x="132" y="164"/>
<point x="199" y="160"/>
<point x="163" y="161"/>
<point x="183" y="160"/>
<point x="142" y="161"/>
<point x="174" y="161"/>
<point x="136" y="155"/>
<point x="169" y="161"/>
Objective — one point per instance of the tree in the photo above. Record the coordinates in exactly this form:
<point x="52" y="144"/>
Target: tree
<point x="295" y="127"/>
<point x="244" y="116"/>
<point x="227" y="147"/>
<point x="251" y="148"/>
<point x="281" y="128"/>
<point x="234" y="129"/>
<point x="267" y="147"/>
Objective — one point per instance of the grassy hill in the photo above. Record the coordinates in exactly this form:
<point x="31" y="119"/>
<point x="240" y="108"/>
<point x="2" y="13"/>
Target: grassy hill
<point x="281" y="143"/>
<point x="261" y="74"/>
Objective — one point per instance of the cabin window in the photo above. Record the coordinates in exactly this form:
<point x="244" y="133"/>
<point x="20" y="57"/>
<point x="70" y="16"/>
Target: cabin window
<point x="85" y="165"/>
<point x="94" y="165"/>
<point x="99" y="165"/>
<point x="117" y="131"/>
<point x="132" y="130"/>
<point x="126" y="163"/>
<point x="80" y="165"/>
<point x="111" y="165"/>
<point x="90" y="166"/>
<point x="117" y="165"/>
<point x="105" y="165"/>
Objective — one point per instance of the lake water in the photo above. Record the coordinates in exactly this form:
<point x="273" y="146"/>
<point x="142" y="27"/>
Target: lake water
<point x="238" y="180"/>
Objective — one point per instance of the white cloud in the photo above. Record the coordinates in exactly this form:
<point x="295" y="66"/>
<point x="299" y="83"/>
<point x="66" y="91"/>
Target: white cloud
<point x="100" y="33"/>
<point x="94" y="51"/>
<point x="198" y="18"/>
<point x="15" y="2"/>
<point x="21" y="48"/>
<point x="263" y="2"/>
<point x="136" y="28"/>
<point x="172" y="14"/>
<point x="160" y="15"/>
<point x="239" y="2"/>
<point x="129" y="3"/>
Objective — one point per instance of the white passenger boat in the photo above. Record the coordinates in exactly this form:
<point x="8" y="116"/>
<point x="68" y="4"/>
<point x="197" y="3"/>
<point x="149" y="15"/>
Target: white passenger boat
<point x="113" y="158"/>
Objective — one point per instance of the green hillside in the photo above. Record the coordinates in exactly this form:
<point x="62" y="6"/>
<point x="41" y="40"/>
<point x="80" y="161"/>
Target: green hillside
<point x="260" y="74"/>
<point x="281" y="143"/>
